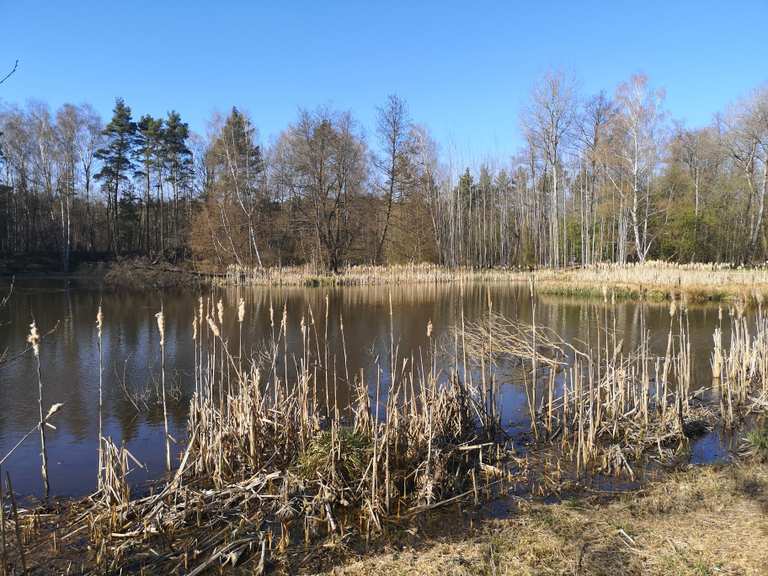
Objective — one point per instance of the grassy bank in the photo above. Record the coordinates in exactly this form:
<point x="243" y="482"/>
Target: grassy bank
<point x="652" y="280"/>
<point x="703" y="521"/>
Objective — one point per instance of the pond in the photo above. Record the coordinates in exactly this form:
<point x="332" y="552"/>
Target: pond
<point x="65" y="312"/>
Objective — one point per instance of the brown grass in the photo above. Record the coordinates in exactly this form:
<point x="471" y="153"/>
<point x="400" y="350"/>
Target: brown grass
<point x="652" y="280"/>
<point x="699" y="522"/>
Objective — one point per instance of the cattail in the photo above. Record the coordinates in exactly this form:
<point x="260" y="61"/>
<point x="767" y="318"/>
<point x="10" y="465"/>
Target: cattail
<point x="34" y="338"/>
<point x="429" y="329"/>
<point x="161" y="328"/>
<point x="213" y="327"/>
<point x="220" y="310"/>
<point x="672" y="308"/>
<point x="99" y="321"/>
<point x="52" y="410"/>
<point x="99" y="328"/>
<point x="241" y="310"/>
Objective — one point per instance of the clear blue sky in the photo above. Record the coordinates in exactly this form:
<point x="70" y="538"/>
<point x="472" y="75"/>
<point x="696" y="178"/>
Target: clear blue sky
<point x="465" y="68"/>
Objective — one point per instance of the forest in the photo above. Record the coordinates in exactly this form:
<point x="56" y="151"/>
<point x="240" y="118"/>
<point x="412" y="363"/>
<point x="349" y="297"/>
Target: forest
<point x="608" y="177"/>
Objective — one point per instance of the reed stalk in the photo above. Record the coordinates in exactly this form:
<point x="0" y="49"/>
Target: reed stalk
<point x="99" y="328"/>
<point x="161" y="329"/>
<point x="34" y="340"/>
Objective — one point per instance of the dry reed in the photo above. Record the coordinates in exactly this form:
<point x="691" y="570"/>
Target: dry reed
<point x="273" y="459"/>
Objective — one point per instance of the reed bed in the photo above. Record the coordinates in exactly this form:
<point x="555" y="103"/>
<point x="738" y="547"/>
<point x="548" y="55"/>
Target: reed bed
<point x="273" y="460"/>
<point x="653" y="280"/>
<point x="361" y="275"/>
<point x="606" y="408"/>
<point x="275" y="464"/>
<point x="658" y="280"/>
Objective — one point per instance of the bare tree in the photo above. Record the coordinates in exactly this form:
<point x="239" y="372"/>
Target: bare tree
<point x="637" y="148"/>
<point x="548" y="121"/>
<point x="593" y="127"/>
<point x="325" y="170"/>
<point x="392" y="128"/>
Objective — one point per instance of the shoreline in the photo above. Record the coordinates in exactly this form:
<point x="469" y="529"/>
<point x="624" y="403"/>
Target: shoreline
<point x="665" y="525"/>
<point x="655" y="281"/>
<point x="702" y="520"/>
<point x="652" y="281"/>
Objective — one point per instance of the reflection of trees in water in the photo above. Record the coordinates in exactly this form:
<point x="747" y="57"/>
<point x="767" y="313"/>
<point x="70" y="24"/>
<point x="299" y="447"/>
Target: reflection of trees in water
<point x="131" y="343"/>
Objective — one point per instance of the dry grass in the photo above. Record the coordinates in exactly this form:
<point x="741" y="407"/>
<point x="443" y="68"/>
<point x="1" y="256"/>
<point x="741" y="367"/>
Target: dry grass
<point x="699" y="522"/>
<point x="658" y="281"/>
<point x="651" y="280"/>
<point x="309" y="275"/>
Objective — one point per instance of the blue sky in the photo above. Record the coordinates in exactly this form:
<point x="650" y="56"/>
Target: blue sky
<point x="465" y="68"/>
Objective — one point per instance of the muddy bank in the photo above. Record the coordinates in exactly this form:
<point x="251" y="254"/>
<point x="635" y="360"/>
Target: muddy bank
<point x="130" y="272"/>
<point x="139" y="273"/>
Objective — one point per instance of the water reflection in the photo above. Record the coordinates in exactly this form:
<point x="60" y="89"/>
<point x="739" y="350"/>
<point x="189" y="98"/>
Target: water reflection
<point x="374" y="319"/>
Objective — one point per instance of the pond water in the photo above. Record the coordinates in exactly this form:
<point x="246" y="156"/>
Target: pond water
<point x="131" y="356"/>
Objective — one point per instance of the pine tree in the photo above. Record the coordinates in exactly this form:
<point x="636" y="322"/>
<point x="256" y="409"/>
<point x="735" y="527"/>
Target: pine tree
<point x="117" y="163"/>
<point x="149" y="142"/>
<point x="177" y="160"/>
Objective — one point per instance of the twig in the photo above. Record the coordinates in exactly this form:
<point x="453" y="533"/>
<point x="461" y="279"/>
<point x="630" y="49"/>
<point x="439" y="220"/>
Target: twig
<point x="15" y="66"/>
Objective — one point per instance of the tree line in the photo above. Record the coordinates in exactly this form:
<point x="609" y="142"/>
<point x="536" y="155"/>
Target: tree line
<point x="606" y="177"/>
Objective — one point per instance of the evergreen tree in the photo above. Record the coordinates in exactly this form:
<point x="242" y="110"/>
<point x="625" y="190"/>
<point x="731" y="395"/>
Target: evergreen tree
<point x="149" y="143"/>
<point x="178" y="165"/>
<point x="117" y="163"/>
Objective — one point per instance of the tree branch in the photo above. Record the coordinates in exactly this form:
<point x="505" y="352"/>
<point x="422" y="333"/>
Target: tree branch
<point x="15" y="66"/>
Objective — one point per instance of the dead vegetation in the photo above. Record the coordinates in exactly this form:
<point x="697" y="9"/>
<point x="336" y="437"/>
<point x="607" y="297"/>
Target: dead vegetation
<point x="704" y="521"/>
<point x="278" y="474"/>
<point x="652" y="280"/>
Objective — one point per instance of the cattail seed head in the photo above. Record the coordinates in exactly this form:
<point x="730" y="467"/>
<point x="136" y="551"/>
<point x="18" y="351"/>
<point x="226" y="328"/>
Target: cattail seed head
<point x="213" y="327"/>
<point x="99" y="321"/>
<point x="34" y="338"/>
<point x="161" y="326"/>
<point x="53" y="409"/>
<point x="241" y="310"/>
<point x="429" y="329"/>
<point x="220" y="310"/>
